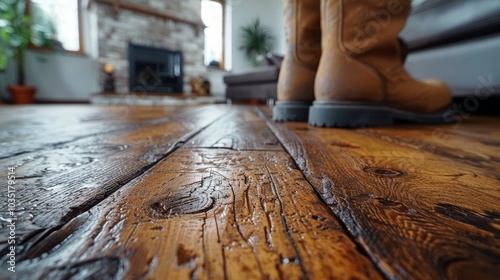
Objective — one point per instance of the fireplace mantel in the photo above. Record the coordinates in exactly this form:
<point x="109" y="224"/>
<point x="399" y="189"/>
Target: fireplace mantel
<point x="117" y="4"/>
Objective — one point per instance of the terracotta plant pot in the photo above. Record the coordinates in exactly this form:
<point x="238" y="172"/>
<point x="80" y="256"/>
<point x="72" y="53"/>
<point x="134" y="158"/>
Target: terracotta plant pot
<point x="22" y="94"/>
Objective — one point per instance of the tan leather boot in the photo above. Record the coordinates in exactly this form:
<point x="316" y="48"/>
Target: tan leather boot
<point x="298" y="70"/>
<point x="360" y="79"/>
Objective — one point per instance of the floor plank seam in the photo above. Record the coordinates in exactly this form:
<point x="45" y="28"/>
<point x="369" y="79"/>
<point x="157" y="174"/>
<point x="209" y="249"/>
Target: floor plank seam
<point x="174" y="147"/>
<point x="287" y="227"/>
<point x="353" y="238"/>
<point x="435" y="149"/>
<point x="59" y="144"/>
<point x="234" y="150"/>
<point x="203" y="194"/>
<point x="118" y="129"/>
<point x="80" y="209"/>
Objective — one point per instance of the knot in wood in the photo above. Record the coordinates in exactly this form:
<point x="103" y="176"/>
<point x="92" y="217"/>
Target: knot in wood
<point x="383" y="172"/>
<point x="187" y="201"/>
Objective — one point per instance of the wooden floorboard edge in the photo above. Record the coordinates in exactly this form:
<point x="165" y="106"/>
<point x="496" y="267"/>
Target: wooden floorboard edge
<point x="435" y="149"/>
<point x="87" y="205"/>
<point x="71" y="232"/>
<point x="226" y="127"/>
<point x="118" y="129"/>
<point x="176" y="145"/>
<point x="359" y="247"/>
<point x="295" y="247"/>
<point x="332" y="163"/>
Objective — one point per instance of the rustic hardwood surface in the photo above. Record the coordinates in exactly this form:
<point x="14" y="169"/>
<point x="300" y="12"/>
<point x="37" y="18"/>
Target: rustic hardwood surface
<point x="87" y="153"/>
<point x="222" y="192"/>
<point x="423" y="201"/>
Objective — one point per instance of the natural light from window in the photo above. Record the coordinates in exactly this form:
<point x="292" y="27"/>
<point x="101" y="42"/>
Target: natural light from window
<point x="212" y="16"/>
<point x="64" y="16"/>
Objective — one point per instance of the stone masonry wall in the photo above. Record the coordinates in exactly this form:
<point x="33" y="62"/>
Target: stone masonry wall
<point x="115" y="32"/>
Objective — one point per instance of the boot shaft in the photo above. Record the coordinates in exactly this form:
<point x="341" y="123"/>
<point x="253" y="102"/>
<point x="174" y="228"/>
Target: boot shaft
<point x="365" y="29"/>
<point x="303" y="50"/>
<point x="303" y="32"/>
<point x="361" y="60"/>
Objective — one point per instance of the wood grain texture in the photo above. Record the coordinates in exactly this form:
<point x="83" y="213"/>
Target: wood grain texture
<point x="240" y="129"/>
<point x="467" y="143"/>
<point x="203" y="214"/>
<point x="61" y="180"/>
<point x="419" y="214"/>
<point x="216" y="192"/>
<point x="31" y="128"/>
<point x="206" y="211"/>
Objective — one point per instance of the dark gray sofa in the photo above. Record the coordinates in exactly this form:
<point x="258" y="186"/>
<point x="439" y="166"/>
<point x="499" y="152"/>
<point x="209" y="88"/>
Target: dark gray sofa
<point x="457" y="41"/>
<point x="258" y="84"/>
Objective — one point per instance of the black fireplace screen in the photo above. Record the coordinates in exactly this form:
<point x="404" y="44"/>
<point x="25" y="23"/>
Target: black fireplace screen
<point x="155" y="70"/>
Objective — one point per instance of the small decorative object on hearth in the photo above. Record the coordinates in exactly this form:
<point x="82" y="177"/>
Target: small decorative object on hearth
<point x="109" y="80"/>
<point x="214" y="63"/>
<point x="200" y="86"/>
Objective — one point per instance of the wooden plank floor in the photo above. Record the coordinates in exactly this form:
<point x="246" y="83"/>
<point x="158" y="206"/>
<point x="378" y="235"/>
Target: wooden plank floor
<point x="218" y="192"/>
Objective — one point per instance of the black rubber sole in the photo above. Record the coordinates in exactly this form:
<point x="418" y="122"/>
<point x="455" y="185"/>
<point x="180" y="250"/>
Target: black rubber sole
<point x="291" y="111"/>
<point x="347" y="115"/>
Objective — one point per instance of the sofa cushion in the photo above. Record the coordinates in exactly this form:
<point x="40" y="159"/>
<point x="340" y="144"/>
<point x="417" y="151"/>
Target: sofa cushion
<point x="434" y="22"/>
<point x="259" y="75"/>
<point x="262" y="91"/>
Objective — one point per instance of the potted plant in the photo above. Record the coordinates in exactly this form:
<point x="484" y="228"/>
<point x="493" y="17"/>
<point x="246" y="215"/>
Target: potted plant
<point x="257" y="40"/>
<point x="17" y="31"/>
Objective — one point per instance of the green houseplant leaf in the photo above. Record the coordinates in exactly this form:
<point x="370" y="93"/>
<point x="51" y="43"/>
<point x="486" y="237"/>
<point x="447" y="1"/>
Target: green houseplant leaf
<point x="17" y="31"/>
<point x="257" y="40"/>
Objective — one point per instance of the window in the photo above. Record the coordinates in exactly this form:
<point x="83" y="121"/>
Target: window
<point x="61" y="19"/>
<point x="212" y="14"/>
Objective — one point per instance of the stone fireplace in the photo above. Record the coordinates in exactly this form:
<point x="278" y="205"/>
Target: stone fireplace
<point x="155" y="70"/>
<point x="118" y="29"/>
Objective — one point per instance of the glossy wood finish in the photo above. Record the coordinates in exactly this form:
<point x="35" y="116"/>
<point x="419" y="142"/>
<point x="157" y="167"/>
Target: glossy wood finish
<point x="423" y="201"/>
<point x="221" y="192"/>
<point x="69" y="158"/>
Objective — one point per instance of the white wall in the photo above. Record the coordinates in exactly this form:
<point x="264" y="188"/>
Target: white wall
<point x="62" y="77"/>
<point x="270" y="13"/>
<point x="57" y="76"/>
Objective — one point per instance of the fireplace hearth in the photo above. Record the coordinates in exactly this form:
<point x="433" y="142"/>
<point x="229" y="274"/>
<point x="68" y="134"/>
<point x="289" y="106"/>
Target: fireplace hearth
<point x="155" y="70"/>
